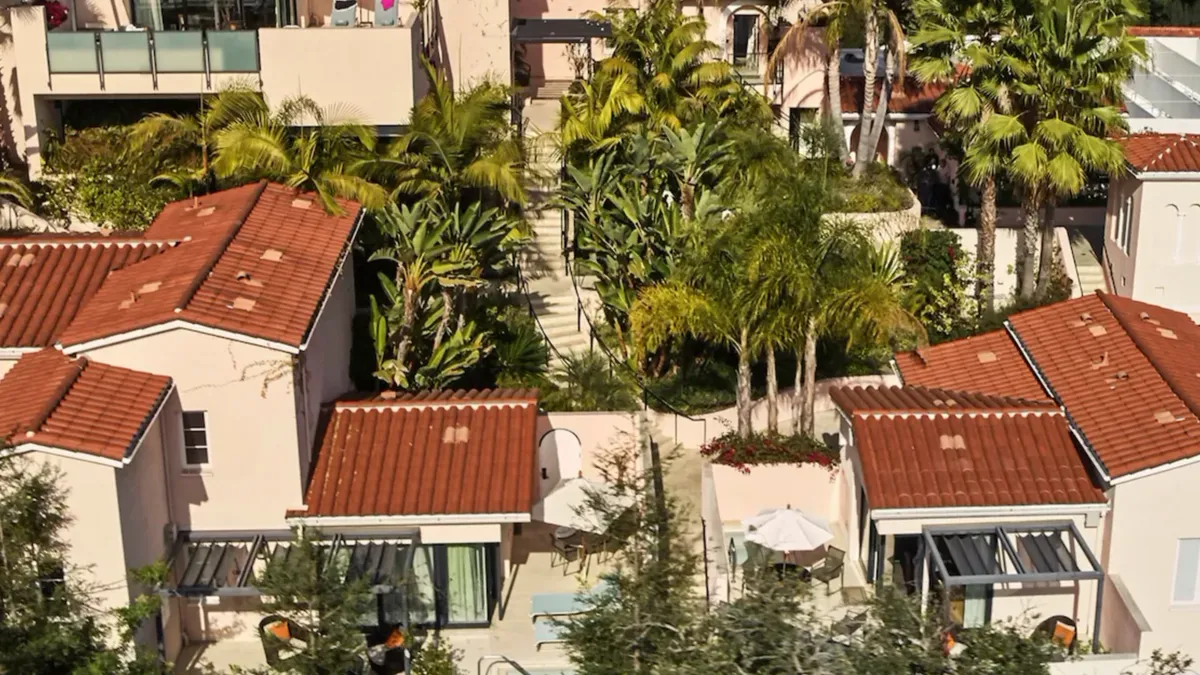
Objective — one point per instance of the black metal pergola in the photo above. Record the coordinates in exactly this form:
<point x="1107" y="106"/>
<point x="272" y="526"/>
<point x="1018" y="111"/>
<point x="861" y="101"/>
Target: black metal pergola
<point x="230" y="563"/>
<point x="986" y="555"/>
<point x="561" y="31"/>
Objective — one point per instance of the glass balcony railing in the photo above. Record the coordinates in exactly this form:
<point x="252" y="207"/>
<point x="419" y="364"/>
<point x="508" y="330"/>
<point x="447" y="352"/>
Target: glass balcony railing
<point x="153" y="52"/>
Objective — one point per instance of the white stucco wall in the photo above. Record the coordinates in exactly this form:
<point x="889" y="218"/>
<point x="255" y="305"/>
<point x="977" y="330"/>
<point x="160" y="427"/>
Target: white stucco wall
<point x="1150" y="516"/>
<point x="247" y="391"/>
<point x="326" y="363"/>
<point x="1163" y="264"/>
<point x="476" y="41"/>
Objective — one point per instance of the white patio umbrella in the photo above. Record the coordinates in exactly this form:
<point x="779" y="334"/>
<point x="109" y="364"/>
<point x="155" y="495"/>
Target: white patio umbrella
<point x="787" y="530"/>
<point x="570" y="504"/>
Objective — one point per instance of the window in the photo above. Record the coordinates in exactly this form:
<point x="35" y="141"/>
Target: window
<point x="1187" y="572"/>
<point x="195" y="439"/>
<point x="1121" y="233"/>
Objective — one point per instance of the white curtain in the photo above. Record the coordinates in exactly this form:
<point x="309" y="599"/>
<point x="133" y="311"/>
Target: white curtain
<point x="975" y="606"/>
<point x="421" y="607"/>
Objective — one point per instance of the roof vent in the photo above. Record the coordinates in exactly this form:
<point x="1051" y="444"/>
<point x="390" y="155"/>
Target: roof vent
<point x="3" y="308"/>
<point x="456" y="434"/>
<point x="1164" y="416"/>
<point x="206" y="211"/>
<point x="1168" y="333"/>
<point x="389" y="395"/>
<point x="1101" y="362"/>
<point x="955" y="442"/>
<point x="1146" y="317"/>
<point x="244" y="304"/>
<point x="244" y="277"/>
<point x="301" y="203"/>
<point x="986" y="357"/>
<point x="26" y="260"/>
<point x="274" y="255"/>
<point x="1097" y="330"/>
<point x="13" y="260"/>
<point x="128" y="302"/>
<point x="150" y="287"/>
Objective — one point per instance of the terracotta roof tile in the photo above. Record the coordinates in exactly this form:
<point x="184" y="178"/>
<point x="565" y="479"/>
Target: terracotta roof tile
<point x="1111" y="388"/>
<point x="1162" y="152"/>
<point x="922" y="399"/>
<point x="46" y="279"/>
<point x="78" y="405"/>
<point x="1165" y="31"/>
<point x="250" y="261"/>
<point x="988" y="363"/>
<point x="954" y="460"/>
<point x="462" y="453"/>
<point x="915" y="98"/>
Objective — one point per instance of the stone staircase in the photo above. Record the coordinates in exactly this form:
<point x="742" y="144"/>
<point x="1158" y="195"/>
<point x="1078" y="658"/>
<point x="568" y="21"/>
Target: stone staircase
<point x="1087" y="262"/>
<point x="549" y="286"/>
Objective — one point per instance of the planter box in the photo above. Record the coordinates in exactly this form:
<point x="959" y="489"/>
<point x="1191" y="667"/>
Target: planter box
<point x="887" y="225"/>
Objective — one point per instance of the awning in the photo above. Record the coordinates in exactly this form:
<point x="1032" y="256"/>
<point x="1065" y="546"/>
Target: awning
<point x="1010" y="553"/>
<point x="559" y="30"/>
<point x="229" y="564"/>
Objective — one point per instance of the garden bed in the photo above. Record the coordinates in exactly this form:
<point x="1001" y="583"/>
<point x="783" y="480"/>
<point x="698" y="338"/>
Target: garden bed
<point x="759" y="449"/>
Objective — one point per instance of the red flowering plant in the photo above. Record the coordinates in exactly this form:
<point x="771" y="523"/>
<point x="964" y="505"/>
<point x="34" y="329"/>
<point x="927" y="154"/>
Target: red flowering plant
<point x="757" y="449"/>
<point x="56" y="13"/>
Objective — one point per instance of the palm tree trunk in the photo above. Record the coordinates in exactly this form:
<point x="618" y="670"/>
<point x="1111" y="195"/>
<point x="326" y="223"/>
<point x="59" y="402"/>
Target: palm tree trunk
<point x="797" y="388"/>
<point x="687" y="200"/>
<point x="985" y="285"/>
<point x="808" y="412"/>
<point x="833" y="82"/>
<point x="1031" y="219"/>
<point x="772" y="393"/>
<point x="444" y="324"/>
<point x="1046" y="263"/>
<point x="879" y="121"/>
<point x="864" y="154"/>
<point x="406" y="327"/>
<point x="744" y="422"/>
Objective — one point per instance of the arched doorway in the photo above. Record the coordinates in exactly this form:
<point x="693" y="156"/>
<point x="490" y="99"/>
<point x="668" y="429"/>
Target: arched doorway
<point x="881" y="150"/>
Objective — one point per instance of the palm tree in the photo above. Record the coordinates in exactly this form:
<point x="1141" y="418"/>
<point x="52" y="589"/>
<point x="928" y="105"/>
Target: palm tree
<point x="596" y="116"/>
<point x="185" y="136"/>
<point x="873" y="113"/>
<point x="458" y="146"/>
<point x="303" y="146"/>
<point x="13" y="188"/>
<point x="948" y="50"/>
<point x="1066" y="112"/>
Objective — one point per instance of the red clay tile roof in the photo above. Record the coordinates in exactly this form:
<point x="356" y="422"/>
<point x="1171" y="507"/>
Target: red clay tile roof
<point x="988" y="363"/>
<point x="454" y="453"/>
<point x="45" y="279"/>
<point x="256" y="260"/>
<point x="921" y="399"/>
<point x="915" y="98"/>
<point x="1125" y="408"/>
<point x="1165" y="31"/>
<point x="1162" y="152"/>
<point x="78" y="405"/>
<point x="950" y="459"/>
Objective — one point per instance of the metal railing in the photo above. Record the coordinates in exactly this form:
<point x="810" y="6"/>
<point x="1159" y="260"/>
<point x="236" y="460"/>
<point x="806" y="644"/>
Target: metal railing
<point x="494" y="659"/>
<point x="149" y="52"/>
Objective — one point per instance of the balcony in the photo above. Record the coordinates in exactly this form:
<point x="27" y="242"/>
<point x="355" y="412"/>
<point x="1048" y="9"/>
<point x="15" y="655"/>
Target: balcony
<point x="147" y="52"/>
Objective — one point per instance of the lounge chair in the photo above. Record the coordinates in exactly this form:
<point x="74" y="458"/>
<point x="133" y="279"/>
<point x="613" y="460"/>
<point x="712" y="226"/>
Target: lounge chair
<point x="847" y="626"/>
<point x="832" y="567"/>
<point x="546" y="631"/>
<point x="568" y="552"/>
<point x="564" y="604"/>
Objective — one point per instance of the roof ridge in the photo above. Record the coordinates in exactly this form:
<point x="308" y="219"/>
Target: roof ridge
<point x="60" y="392"/>
<point x="1164" y="373"/>
<point x="219" y="250"/>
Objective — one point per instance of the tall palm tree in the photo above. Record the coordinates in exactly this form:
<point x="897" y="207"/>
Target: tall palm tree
<point x="304" y="146"/>
<point x="183" y="137"/>
<point x="964" y="45"/>
<point x="1066" y="112"/>
<point x="458" y="145"/>
<point x="880" y="24"/>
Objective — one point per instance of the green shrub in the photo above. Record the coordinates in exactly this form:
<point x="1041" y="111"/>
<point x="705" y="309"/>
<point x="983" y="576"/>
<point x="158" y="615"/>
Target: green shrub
<point x="90" y="174"/>
<point x="939" y="272"/>
<point x="589" y="381"/>
<point x="880" y="190"/>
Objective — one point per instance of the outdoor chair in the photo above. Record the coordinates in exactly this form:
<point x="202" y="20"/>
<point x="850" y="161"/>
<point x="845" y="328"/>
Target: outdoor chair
<point x="566" y="551"/>
<point x="846" y="627"/>
<point x="832" y="567"/>
<point x="281" y="638"/>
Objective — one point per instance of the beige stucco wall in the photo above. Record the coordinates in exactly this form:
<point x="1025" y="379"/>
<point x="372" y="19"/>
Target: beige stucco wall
<point x="600" y="434"/>
<point x="475" y="41"/>
<point x="809" y="488"/>
<point x="94" y="533"/>
<point x="248" y="392"/>
<point x="1123" y="266"/>
<point x="1165" y="243"/>
<point x="1150" y="515"/>
<point x="6" y="365"/>
<point x="380" y="89"/>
